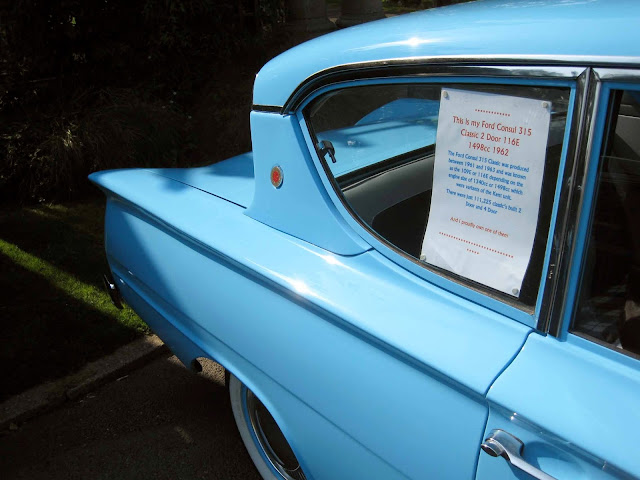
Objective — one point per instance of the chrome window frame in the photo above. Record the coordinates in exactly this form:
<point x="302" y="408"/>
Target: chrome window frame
<point x="398" y="71"/>
<point x="571" y="198"/>
<point x="505" y="65"/>
<point x="558" y="314"/>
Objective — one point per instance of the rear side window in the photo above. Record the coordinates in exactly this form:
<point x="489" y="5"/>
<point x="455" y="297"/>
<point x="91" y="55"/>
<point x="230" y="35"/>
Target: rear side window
<point x="609" y="301"/>
<point x="460" y="178"/>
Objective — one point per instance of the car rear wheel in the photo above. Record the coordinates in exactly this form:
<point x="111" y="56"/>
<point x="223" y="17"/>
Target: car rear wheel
<point x="265" y="442"/>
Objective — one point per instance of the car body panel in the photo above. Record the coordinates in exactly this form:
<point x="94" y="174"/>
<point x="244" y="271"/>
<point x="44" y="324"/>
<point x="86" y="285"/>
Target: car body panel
<point x="276" y="142"/>
<point x="231" y="179"/>
<point x="301" y="424"/>
<point x="290" y="313"/>
<point x="575" y="402"/>
<point x="494" y="30"/>
<point x="348" y="288"/>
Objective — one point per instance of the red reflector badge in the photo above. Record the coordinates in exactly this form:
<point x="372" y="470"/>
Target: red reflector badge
<point x="276" y="176"/>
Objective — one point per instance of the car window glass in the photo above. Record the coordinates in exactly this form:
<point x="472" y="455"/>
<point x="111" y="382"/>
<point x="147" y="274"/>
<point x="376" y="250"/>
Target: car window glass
<point x="609" y="300"/>
<point x="384" y="146"/>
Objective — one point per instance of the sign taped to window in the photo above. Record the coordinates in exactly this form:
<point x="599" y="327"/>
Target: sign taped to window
<point x="489" y="163"/>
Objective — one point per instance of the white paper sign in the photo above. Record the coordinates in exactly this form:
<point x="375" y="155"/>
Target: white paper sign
<point x="489" y="162"/>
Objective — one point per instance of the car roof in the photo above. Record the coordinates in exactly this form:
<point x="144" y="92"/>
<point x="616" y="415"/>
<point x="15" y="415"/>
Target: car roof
<point x="547" y="31"/>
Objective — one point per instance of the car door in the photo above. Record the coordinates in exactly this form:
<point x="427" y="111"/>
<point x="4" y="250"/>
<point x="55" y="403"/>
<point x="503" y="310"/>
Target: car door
<point x="433" y="172"/>
<point x="569" y="404"/>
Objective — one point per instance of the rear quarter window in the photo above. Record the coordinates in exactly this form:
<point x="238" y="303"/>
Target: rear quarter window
<point x="392" y="150"/>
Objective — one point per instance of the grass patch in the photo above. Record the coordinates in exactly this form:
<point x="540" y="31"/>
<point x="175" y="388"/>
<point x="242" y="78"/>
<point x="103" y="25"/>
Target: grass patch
<point x="54" y="314"/>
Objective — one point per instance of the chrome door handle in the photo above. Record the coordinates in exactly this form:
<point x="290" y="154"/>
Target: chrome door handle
<point x="503" y="444"/>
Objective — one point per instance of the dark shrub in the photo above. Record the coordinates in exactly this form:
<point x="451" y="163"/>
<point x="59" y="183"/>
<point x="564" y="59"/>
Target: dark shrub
<point x="51" y="160"/>
<point x="148" y="61"/>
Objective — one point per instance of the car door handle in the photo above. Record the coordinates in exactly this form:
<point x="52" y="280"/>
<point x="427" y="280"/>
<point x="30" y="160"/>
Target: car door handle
<point x="502" y="444"/>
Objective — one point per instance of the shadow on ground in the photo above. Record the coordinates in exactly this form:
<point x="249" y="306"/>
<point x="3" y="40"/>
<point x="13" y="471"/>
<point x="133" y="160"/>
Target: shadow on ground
<point x="54" y="314"/>
<point x="161" y="421"/>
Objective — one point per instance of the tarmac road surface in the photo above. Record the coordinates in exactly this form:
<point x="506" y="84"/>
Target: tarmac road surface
<point x="159" y="422"/>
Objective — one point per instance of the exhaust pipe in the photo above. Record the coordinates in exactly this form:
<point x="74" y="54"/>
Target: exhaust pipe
<point x="112" y="290"/>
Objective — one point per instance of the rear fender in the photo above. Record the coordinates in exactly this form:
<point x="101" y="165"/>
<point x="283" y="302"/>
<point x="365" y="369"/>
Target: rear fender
<point x="300" y="424"/>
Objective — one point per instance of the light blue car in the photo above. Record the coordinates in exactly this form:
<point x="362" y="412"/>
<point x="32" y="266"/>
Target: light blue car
<point x="429" y="265"/>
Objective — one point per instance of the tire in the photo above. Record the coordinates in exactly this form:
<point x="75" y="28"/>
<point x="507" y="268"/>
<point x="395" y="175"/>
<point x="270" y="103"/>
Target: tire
<point x="267" y="446"/>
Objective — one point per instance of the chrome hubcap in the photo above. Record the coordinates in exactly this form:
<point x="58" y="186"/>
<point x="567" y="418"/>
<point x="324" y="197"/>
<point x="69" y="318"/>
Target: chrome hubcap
<point x="271" y="440"/>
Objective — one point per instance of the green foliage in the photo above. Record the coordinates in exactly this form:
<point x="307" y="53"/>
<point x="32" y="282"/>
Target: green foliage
<point x="50" y="159"/>
<point x="95" y="84"/>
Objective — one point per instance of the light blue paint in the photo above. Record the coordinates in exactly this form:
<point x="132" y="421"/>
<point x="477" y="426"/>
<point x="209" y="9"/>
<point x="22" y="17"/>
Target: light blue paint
<point x="230" y="179"/>
<point x="578" y="402"/>
<point x="329" y="282"/>
<point x="491" y="28"/>
<point x="300" y="206"/>
<point x="549" y="454"/>
<point x="303" y="299"/>
<point x="309" y="432"/>
<point x="393" y="129"/>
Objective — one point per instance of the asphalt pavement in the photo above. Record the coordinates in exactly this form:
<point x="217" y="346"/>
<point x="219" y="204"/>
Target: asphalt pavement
<point x="159" y="422"/>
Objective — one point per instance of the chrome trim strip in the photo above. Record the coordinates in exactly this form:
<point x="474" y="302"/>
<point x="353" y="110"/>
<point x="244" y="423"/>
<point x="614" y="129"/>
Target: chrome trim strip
<point x="617" y="75"/>
<point x="597" y="78"/>
<point x="524" y="65"/>
<point x="570" y="197"/>
<point x="604" y="344"/>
